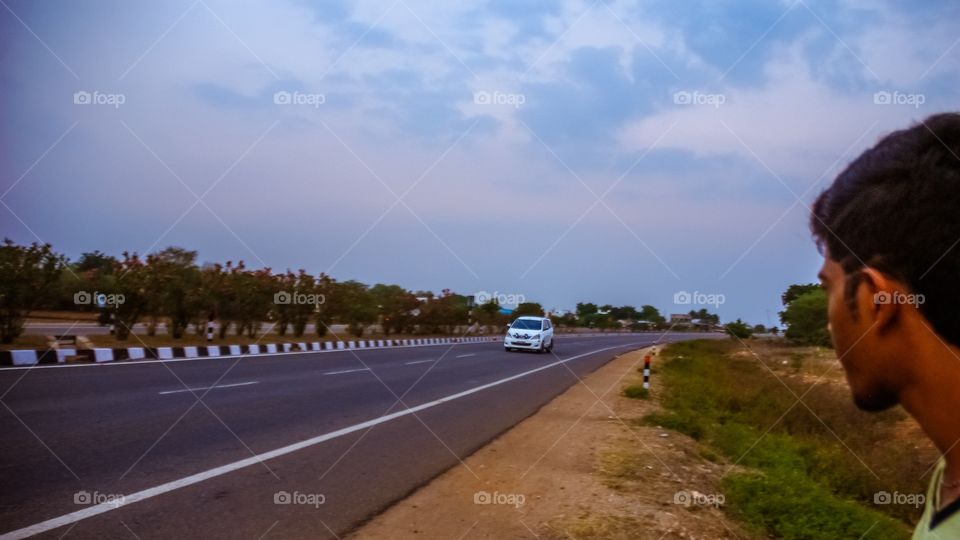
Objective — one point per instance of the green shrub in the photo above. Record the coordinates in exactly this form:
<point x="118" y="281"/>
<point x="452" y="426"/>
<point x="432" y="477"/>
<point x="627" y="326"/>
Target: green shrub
<point x="808" y="484"/>
<point x="806" y="319"/>
<point x="738" y="329"/>
<point x="635" y="391"/>
<point x="788" y="504"/>
<point x="685" y="424"/>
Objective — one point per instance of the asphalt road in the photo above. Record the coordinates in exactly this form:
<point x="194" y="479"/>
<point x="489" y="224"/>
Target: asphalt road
<point x="287" y="446"/>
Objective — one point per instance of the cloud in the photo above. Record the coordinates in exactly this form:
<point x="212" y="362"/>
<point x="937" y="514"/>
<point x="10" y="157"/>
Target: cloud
<point x="399" y="81"/>
<point x="794" y="125"/>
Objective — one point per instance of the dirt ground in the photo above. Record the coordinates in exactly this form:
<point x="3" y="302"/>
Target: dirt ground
<point x="583" y="467"/>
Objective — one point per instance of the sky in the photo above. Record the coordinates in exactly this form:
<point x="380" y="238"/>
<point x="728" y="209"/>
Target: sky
<point x="553" y="151"/>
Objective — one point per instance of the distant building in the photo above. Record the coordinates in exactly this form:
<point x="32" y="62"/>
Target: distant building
<point x="680" y="319"/>
<point x="702" y="325"/>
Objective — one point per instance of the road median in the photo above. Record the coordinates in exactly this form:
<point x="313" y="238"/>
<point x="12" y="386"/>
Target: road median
<point x="31" y="357"/>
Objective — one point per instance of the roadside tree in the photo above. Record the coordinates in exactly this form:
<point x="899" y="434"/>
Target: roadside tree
<point x="28" y="276"/>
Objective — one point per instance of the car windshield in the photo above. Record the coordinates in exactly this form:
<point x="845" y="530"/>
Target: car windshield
<point x="526" y="324"/>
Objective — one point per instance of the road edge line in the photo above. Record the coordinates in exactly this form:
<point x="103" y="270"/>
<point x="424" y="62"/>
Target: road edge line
<point x="196" y="478"/>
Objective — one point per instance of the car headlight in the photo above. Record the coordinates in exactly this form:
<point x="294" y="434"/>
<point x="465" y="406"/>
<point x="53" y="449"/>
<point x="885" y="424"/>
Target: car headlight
<point x="535" y="337"/>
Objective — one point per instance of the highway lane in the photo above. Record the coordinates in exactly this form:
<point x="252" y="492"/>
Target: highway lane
<point x="124" y="428"/>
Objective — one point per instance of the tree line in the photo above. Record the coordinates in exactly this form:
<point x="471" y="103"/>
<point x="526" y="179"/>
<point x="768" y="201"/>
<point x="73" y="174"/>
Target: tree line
<point x="590" y="315"/>
<point x="169" y="286"/>
<point x="804" y="317"/>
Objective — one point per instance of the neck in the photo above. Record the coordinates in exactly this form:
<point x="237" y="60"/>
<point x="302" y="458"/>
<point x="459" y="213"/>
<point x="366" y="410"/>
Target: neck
<point x="932" y="397"/>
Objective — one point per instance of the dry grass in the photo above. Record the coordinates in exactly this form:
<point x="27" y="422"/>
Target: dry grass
<point x="593" y="527"/>
<point x="624" y="469"/>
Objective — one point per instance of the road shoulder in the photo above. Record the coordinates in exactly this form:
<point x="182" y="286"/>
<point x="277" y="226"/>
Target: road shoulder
<point x="584" y="466"/>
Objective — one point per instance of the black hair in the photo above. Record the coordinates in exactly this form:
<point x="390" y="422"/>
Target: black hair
<point x="896" y="208"/>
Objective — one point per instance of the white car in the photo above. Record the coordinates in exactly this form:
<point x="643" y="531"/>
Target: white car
<point x="529" y="333"/>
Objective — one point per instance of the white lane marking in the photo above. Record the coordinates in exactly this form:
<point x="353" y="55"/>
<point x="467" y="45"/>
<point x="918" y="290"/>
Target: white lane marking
<point x="104" y="507"/>
<point x="419" y="362"/>
<point x="346" y="371"/>
<point x="207" y="388"/>
<point x="466" y="355"/>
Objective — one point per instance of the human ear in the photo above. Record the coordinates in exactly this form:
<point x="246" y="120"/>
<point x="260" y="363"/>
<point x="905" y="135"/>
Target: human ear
<point x="878" y="297"/>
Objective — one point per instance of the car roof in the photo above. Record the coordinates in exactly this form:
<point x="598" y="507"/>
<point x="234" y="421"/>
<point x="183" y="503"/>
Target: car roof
<point x="531" y="317"/>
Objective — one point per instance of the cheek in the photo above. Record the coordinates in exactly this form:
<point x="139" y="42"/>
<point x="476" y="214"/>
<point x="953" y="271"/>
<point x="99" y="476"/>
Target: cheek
<point x="840" y="321"/>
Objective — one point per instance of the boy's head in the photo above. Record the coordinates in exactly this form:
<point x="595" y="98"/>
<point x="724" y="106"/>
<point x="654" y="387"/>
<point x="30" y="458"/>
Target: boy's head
<point x="889" y="230"/>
